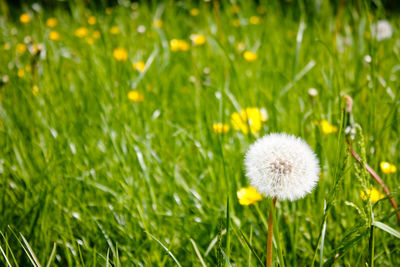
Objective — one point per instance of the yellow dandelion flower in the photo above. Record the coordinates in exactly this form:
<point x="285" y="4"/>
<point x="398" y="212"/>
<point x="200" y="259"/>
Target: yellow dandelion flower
<point x="249" y="56"/>
<point x="51" y="22"/>
<point x="96" y="34"/>
<point x="21" y="48"/>
<point x="248" y="195"/>
<point x="194" y="12"/>
<point x="21" y="73"/>
<point x="35" y="90"/>
<point x="55" y="36"/>
<point x="120" y="54"/>
<point x="92" y="20"/>
<point x="253" y="117"/>
<point x="139" y="66"/>
<point x="235" y="9"/>
<point x="81" y="32"/>
<point x="135" y="96"/>
<point x="25" y="18"/>
<point x="28" y="68"/>
<point x="328" y="128"/>
<point x="179" y="45"/>
<point x="236" y="23"/>
<point x="198" y="39"/>
<point x="220" y="128"/>
<point x="388" y="168"/>
<point x="373" y="194"/>
<point x="114" y="30"/>
<point x="90" y="40"/>
<point x="261" y="10"/>
<point x="6" y="46"/>
<point x="255" y="20"/>
<point x="157" y="23"/>
<point x="108" y="10"/>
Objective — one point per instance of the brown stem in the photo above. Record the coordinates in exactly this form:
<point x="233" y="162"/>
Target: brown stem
<point x="376" y="178"/>
<point x="270" y="233"/>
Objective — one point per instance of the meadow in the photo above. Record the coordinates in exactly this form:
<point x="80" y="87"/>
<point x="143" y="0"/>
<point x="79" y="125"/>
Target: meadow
<point x="123" y="130"/>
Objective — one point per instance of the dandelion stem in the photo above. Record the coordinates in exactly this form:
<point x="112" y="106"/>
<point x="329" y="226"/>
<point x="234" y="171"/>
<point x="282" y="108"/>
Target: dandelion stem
<point x="376" y="178"/>
<point x="270" y="232"/>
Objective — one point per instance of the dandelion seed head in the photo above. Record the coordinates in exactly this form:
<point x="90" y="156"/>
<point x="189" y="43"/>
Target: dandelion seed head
<point x="282" y="166"/>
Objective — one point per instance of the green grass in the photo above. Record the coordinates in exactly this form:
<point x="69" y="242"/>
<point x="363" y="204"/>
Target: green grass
<point x="88" y="177"/>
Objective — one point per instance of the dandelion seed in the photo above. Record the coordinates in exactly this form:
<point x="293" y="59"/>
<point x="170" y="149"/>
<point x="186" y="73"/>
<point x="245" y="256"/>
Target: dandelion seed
<point x="135" y="96"/>
<point x="54" y="35"/>
<point x="220" y="128"/>
<point x="51" y="22"/>
<point x="373" y="194"/>
<point x="92" y="20"/>
<point x="198" y="39"/>
<point x="120" y="54"/>
<point x="248" y="195"/>
<point x="249" y="56"/>
<point x="194" y="12"/>
<point x="139" y="66"/>
<point x="312" y="92"/>
<point x="328" y="128"/>
<point x="282" y="166"/>
<point x="114" y="30"/>
<point x="25" y="18"/>
<point x="81" y="32"/>
<point x="382" y="30"/>
<point x="388" y="168"/>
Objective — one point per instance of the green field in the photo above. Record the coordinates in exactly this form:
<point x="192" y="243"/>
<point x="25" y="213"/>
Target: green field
<point x="123" y="133"/>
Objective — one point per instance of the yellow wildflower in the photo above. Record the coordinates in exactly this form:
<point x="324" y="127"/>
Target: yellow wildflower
<point x="55" y="36"/>
<point x="139" y="66"/>
<point x="21" y="48"/>
<point x="120" y="54"/>
<point x="21" y="73"/>
<point x="249" y="56"/>
<point x="96" y="34"/>
<point x="179" y="45"/>
<point x="373" y="194"/>
<point x="114" y="30"/>
<point x="328" y="128"/>
<point x="248" y="195"/>
<point x="157" y="23"/>
<point x="108" y="10"/>
<point x="387" y="168"/>
<point x="81" y="32"/>
<point x="6" y="46"/>
<point x="35" y="90"/>
<point x="51" y="22"/>
<point x="220" y="128"/>
<point x="253" y="117"/>
<point x="194" y="12"/>
<point x="90" y="40"/>
<point x="92" y="20"/>
<point x="25" y="18"/>
<point x="235" y="9"/>
<point x="135" y="96"/>
<point x="198" y="39"/>
<point x="28" y="68"/>
<point x="236" y="23"/>
<point x="255" y="20"/>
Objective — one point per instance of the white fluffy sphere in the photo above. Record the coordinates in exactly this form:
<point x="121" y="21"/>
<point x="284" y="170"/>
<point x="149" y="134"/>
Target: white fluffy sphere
<point x="282" y="166"/>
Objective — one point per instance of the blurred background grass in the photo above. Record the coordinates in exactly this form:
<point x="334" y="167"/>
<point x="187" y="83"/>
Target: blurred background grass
<point x="90" y="176"/>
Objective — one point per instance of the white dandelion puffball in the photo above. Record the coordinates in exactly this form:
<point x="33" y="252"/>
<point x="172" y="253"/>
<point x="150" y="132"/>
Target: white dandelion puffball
<point x="282" y="166"/>
<point x="383" y="30"/>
